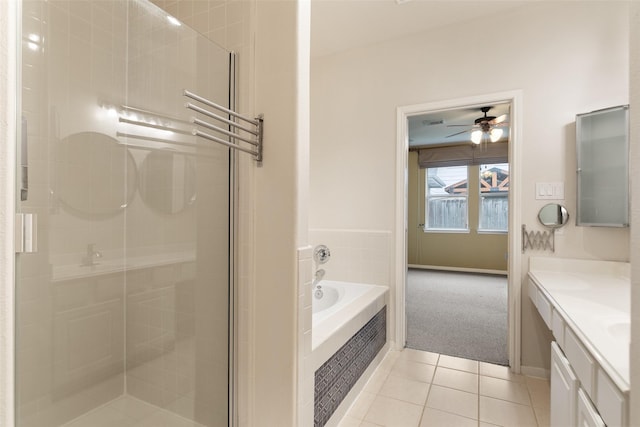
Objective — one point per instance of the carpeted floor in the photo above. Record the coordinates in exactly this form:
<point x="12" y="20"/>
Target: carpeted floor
<point x="458" y="314"/>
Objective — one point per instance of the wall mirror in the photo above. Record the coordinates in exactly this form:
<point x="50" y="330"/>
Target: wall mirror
<point x="553" y="215"/>
<point x="95" y="175"/>
<point x="167" y="181"/>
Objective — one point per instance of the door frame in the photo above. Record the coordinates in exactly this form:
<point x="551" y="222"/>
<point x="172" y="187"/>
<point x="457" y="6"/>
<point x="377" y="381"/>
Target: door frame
<point x="514" y="265"/>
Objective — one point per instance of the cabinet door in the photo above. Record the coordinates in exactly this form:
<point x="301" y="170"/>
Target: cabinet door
<point x="564" y="390"/>
<point x="587" y="414"/>
<point x="602" y="145"/>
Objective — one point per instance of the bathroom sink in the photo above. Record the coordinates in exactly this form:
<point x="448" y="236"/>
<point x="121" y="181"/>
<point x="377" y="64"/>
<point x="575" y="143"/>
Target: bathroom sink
<point x="620" y="330"/>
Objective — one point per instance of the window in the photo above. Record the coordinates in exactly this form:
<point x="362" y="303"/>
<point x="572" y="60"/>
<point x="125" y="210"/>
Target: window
<point x="494" y="197"/>
<point x="447" y="198"/>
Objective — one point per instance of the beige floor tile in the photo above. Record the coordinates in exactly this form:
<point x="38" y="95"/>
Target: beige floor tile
<point x="539" y="391"/>
<point x="420" y="356"/>
<point x="132" y="407"/>
<point x="348" y="421"/>
<point x="483" y="424"/>
<point x="503" y="413"/>
<point x="102" y="417"/>
<point x="405" y="389"/>
<point x="368" y="424"/>
<point x="498" y="371"/>
<point x="413" y="370"/>
<point x="460" y="380"/>
<point x="393" y="413"/>
<point x="375" y="382"/>
<point x="453" y="401"/>
<point x="389" y="360"/>
<point x="361" y="405"/>
<point x="542" y="416"/>
<point x="164" y="419"/>
<point x="505" y="390"/>
<point x="435" y="418"/>
<point x="458" y="363"/>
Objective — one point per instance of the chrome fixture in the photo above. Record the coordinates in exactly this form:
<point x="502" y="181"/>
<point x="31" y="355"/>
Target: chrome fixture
<point x="92" y="255"/>
<point x="486" y="127"/>
<point x="552" y="216"/>
<point x="321" y="254"/>
<point x="318" y="293"/>
<point x="319" y="275"/>
<point x="251" y="126"/>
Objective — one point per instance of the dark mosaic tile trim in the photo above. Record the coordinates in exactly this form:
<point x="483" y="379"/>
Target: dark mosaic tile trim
<point x="335" y="378"/>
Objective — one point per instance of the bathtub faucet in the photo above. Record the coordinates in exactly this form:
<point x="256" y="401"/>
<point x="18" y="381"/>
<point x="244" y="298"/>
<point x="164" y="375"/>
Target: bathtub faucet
<point x="318" y="278"/>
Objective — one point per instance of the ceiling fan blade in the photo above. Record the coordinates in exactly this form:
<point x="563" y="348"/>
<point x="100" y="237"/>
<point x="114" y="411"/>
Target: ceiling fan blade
<point x="458" y="133"/>
<point x="500" y="119"/>
<point x="500" y="125"/>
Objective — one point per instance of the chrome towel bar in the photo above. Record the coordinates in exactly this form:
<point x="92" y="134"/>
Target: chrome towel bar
<point x="236" y="122"/>
<point x="538" y="240"/>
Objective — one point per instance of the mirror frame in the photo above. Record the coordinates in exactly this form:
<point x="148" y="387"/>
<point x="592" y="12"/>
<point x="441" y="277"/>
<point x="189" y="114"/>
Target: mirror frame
<point x="564" y="215"/>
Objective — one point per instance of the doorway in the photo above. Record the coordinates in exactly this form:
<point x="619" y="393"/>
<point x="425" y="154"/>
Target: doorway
<point x="403" y="224"/>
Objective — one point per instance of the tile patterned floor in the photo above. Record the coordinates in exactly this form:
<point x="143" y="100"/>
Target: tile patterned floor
<point x="414" y="388"/>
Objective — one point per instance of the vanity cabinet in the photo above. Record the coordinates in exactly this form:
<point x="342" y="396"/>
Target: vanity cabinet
<point x="582" y="393"/>
<point x="564" y="389"/>
<point x="602" y="148"/>
<point x="587" y="414"/>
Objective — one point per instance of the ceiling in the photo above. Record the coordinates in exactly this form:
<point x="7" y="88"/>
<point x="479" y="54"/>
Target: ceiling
<point x="338" y="25"/>
<point x="435" y="128"/>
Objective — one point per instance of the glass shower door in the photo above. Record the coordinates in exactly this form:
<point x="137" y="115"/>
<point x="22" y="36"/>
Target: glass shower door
<point x="123" y="308"/>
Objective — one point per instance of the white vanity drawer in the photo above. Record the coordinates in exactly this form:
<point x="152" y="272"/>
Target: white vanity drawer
<point x="587" y="414"/>
<point x="581" y="361"/>
<point x="544" y="307"/>
<point x="564" y="390"/>
<point x="557" y="326"/>
<point x="610" y="401"/>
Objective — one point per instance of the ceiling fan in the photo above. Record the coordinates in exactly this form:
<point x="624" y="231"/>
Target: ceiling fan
<point x="486" y="125"/>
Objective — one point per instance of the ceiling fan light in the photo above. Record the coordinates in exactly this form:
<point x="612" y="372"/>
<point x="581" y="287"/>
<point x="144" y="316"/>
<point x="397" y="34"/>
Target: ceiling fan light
<point x="476" y="136"/>
<point x="495" y="134"/>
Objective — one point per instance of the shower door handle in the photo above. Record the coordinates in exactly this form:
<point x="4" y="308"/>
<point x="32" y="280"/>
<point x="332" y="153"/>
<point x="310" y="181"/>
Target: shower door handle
<point x="26" y="233"/>
<point x="24" y="162"/>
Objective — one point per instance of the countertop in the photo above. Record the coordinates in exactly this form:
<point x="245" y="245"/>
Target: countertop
<point x="594" y="299"/>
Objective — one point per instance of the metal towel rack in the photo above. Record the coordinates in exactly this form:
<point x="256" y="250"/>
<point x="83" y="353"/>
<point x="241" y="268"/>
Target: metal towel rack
<point x="253" y="127"/>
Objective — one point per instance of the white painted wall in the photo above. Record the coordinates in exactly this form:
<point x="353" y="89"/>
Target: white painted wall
<point x="281" y="93"/>
<point x="566" y="57"/>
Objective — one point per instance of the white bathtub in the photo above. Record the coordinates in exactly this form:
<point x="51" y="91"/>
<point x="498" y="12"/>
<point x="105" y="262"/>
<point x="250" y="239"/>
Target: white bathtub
<point x="343" y="310"/>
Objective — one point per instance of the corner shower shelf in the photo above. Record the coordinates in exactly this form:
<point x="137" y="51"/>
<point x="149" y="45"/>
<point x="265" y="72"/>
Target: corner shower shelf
<point x="236" y="123"/>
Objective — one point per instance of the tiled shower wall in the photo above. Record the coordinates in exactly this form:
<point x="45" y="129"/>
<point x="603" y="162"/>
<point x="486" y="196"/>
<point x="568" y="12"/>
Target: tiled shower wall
<point x="228" y="23"/>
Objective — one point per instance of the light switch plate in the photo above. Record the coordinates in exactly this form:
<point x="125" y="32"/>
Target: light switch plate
<point x="549" y="190"/>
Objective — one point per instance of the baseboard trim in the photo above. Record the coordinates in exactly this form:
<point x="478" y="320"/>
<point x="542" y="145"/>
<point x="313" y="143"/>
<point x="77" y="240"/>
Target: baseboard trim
<point x="532" y="371"/>
<point x="459" y="269"/>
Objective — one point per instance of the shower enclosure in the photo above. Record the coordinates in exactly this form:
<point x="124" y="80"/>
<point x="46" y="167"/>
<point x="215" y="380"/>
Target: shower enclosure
<point x="124" y="282"/>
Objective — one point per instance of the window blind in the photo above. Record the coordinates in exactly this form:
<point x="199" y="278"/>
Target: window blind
<point x="461" y="155"/>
